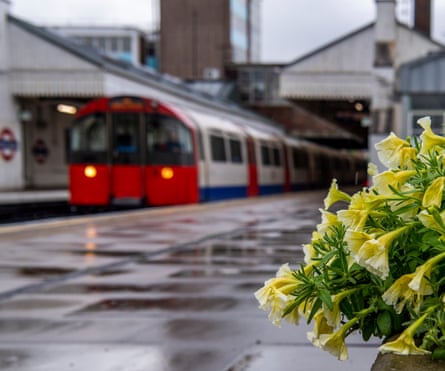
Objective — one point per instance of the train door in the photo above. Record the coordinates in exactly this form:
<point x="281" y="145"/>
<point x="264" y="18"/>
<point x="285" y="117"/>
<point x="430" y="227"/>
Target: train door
<point x="127" y="172"/>
<point x="252" y="189"/>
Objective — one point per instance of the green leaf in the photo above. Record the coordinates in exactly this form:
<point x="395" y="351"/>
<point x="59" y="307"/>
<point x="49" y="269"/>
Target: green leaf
<point x="384" y="323"/>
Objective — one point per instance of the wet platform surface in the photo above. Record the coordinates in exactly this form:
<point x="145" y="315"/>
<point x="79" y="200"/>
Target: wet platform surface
<point x="160" y="289"/>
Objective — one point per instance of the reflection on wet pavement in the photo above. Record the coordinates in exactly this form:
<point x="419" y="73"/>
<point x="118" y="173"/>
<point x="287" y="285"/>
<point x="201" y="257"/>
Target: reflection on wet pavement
<point x="159" y="294"/>
<point x="168" y="304"/>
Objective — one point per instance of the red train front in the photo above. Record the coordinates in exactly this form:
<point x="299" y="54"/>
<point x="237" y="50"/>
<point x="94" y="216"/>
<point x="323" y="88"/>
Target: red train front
<point x="128" y="150"/>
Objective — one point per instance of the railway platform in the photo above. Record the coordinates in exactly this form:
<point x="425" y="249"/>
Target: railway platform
<point x="161" y="289"/>
<point x="33" y="196"/>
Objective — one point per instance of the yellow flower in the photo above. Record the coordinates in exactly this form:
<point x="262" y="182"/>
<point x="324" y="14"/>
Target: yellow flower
<point x="433" y="194"/>
<point x="404" y="344"/>
<point x="400" y="293"/>
<point x="335" y="195"/>
<point x="372" y="169"/>
<point x="321" y="327"/>
<point x="388" y="178"/>
<point x="274" y="295"/>
<point x="353" y="219"/>
<point x="373" y="254"/>
<point x="355" y="240"/>
<point x="429" y="139"/>
<point x="328" y="220"/>
<point x="335" y="343"/>
<point x="407" y="157"/>
<point x="333" y="317"/>
<point x="433" y="220"/>
<point x="389" y="151"/>
<point x="420" y="282"/>
<point x="367" y="201"/>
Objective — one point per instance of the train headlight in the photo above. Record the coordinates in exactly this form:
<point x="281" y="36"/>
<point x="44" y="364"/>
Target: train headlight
<point x="90" y="171"/>
<point x="167" y="173"/>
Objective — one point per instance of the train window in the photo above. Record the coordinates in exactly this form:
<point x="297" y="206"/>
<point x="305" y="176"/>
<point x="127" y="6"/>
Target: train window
<point x="88" y="139"/>
<point x="265" y="155"/>
<point x="276" y="157"/>
<point x="299" y="158"/>
<point x="168" y="141"/>
<point x="235" y="151"/>
<point x="218" y="148"/>
<point x="125" y="138"/>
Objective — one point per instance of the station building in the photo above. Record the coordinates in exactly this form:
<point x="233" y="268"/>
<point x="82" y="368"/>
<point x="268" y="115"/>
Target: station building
<point x="44" y="78"/>
<point x="352" y="80"/>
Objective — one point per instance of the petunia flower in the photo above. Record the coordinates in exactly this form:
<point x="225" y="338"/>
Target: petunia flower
<point x="274" y="295"/>
<point x="335" y="343"/>
<point x="373" y="254"/>
<point x="420" y="282"/>
<point x="429" y="139"/>
<point x="335" y="195"/>
<point x="434" y="193"/>
<point x="328" y="220"/>
<point x="404" y="344"/>
<point x="407" y="157"/>
<point x="432" y="219"/>
<point x="353" y="219"/>
<point x="400" y="294"/>
<point x="321" y="327"/>
<point x="333" y="317"/>
<point x="355" y="240"/>
<point x="395" y="179"/>
<point x="389" y="151"/>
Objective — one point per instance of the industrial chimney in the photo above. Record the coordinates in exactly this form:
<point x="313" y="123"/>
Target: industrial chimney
<point x="422" y="16"/>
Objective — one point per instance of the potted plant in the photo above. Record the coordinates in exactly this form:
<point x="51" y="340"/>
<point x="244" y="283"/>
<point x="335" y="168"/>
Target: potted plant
<point x="377" y="266"/>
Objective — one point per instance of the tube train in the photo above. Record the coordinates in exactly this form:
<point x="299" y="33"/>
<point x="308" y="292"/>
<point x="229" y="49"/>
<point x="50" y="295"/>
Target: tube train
<point x="136" y="150"/>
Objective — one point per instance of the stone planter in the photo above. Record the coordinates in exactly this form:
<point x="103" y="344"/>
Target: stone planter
<point x="394" y="362"/>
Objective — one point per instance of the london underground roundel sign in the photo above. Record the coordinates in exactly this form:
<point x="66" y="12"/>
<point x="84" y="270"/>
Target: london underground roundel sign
<point x="8" y="144"/>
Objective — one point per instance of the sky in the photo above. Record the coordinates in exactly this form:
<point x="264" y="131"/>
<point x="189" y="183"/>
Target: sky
<point x="289" y="28"/>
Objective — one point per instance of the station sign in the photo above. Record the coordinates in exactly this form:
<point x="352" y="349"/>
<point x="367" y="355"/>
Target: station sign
<point x="8" y="144"/>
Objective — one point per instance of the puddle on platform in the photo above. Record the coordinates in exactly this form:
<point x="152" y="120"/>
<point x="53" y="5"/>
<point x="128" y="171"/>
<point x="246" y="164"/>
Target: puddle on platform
<point x="249" y="286"/>
<point x="229" y="272"/>
<point x="110" y="272"/>
<point x="34" y="304"/>
<point x="167" y="304"/>
<point x="179" y="287"/>
<point x="275" y="237"/>
<point x="107" y="253"/>
<point x="10" y="359"/>
<point x="43" y="271"/>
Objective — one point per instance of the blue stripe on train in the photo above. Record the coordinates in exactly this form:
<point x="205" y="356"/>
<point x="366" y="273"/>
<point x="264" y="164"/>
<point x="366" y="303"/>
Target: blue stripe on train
<point x="271" y="189"/>
<point x="222" y="193"/>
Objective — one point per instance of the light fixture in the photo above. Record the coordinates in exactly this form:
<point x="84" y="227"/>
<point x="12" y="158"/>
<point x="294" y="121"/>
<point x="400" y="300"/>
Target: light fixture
<point x="66" y="108"/>
<point x="358" y="106"/>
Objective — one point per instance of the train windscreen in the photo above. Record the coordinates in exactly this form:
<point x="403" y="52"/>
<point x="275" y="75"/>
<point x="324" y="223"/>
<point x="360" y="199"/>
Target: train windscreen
<point x="126" y="149"/>
<point x="168" y="141"/>
<point x="88" y="140"/>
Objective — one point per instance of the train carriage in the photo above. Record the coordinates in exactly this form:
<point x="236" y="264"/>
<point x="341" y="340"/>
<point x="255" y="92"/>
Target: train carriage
<point x="135" y="150"/>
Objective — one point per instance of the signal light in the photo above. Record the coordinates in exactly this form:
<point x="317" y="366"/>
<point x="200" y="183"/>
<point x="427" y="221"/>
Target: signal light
<point x="167" y="173"/>
<point x="90" y="171"/>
